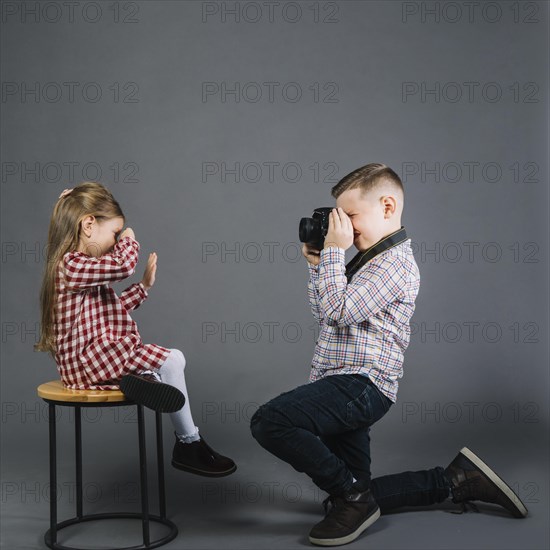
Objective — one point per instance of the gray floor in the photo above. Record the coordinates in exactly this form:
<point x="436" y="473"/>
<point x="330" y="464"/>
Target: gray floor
<point x="265" y="504"/>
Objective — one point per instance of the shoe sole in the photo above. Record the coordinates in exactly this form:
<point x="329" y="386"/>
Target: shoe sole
<point x="154" y="395"/>
<point x="203" y="472"/>
<point x="501" y="484"/>
<point x="348" y="538"/>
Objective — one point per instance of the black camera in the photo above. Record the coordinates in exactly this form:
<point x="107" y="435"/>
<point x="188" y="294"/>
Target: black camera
<point x="313" y="230"/>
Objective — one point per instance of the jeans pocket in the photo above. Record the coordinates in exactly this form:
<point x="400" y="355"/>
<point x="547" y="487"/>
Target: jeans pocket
<point x="359" y="410"/>
<point x="386" y="401"/>
<point x="366" y="409"/>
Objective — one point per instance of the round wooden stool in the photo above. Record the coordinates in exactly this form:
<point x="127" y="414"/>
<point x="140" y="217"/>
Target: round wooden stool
<point x="55" y="393"/>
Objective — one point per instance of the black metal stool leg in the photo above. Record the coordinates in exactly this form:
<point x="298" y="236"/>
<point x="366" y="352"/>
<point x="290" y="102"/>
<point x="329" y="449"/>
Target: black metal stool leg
<point x="53" y="475"/>
<point x="78" y="459"/>
<point x="160" y="465"/>
<point x="143" y="476"/>
<point x="51" y="536"/>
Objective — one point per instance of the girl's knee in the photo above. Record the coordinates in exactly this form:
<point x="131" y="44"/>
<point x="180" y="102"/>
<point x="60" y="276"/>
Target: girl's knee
<point x="180" y="358"/>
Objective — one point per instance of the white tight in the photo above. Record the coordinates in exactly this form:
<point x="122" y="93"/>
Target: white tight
<point x="172" y="372"/>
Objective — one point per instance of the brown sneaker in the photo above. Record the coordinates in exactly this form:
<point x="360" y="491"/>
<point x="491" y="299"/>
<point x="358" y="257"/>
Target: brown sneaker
<point x="146" y="390"/>
<point x="472" y="479"/>
<point x="349" y="515"/>
<point x="199" y="458"/>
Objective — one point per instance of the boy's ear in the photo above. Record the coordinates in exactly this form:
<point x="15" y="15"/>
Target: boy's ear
<point x="389" y="203"/>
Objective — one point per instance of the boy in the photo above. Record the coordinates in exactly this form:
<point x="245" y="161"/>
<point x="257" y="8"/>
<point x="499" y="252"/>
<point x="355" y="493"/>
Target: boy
<point x="363" y="309"/>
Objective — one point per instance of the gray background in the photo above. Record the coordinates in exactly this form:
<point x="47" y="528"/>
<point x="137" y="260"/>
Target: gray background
<point x="486" y="391"/>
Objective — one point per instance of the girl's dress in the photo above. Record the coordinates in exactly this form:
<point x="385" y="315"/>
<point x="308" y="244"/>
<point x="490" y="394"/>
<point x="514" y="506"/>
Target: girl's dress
<point x="97" y="340"/>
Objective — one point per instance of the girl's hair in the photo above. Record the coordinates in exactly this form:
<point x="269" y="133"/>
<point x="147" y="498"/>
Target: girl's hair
<point x="87" y="199"/>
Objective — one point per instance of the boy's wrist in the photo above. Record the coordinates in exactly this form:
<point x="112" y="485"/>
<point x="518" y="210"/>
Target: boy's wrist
<point x="332" y="254"/>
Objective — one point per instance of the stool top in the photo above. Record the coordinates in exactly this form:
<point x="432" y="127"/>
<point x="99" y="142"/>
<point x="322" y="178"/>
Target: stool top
<point x="56" y="391"/>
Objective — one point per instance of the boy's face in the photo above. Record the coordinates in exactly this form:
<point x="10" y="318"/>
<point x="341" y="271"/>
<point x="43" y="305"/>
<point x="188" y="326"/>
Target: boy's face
<point x="367" y="214"/>
<point x="103" y="235"/>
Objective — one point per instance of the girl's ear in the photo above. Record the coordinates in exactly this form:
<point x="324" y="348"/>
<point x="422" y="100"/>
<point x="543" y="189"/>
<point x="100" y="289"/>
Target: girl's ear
<point x="87" y="224"/>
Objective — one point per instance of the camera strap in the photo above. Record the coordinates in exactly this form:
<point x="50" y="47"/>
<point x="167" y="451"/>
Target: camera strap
<point x="362" y="257"/>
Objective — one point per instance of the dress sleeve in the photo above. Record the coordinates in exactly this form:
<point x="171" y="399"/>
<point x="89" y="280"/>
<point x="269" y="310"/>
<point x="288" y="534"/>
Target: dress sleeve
<point x="83" y="271"/>
<point x="133" y="296"/>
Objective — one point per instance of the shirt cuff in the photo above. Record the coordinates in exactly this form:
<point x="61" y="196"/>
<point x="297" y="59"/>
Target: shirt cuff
<point x="313" y="270"/>
<point x="332" y="255"/>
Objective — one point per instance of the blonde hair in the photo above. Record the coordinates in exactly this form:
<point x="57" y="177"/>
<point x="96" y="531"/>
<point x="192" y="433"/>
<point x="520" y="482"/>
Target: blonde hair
<point x="90" y="198"/>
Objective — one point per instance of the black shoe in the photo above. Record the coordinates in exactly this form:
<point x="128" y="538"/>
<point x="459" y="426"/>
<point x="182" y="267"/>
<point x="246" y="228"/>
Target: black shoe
<point x="199" y="458"/>
<point x="350" y="514"/>
<point x="472" y="479"/>
<point x="146" y="390"/>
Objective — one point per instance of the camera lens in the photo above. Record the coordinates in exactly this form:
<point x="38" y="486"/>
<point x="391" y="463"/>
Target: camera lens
<point x="307" y="226"/>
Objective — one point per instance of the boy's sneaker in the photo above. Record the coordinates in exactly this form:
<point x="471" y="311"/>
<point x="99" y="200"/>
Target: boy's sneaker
<point x="472" y="479"/>
<point x="199" y="458"/>
<point x="350" y="514"/>
<point x="148" y="391"/>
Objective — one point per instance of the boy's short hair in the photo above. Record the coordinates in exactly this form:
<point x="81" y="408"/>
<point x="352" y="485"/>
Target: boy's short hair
<point x="367" y="178"/>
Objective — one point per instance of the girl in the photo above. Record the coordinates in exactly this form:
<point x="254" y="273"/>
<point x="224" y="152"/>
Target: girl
<point x="88" y="330"/>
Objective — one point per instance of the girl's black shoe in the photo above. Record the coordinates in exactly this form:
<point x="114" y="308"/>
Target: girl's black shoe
<point x="199" y="458"/>
<point x="146" y="390"/>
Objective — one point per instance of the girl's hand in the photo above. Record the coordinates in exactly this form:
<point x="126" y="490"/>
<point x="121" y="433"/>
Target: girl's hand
<point x="128" y="232"/>
<point x="149" y="275"/>
<point x="340" y="230"/>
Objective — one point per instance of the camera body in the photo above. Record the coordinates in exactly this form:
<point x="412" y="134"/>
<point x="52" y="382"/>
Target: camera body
<point x="312" y="231"/>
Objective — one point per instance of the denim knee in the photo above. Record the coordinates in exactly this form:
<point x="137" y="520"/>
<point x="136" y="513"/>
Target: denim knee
<point x="256" y="424"/>
<point x="264" y="422"/>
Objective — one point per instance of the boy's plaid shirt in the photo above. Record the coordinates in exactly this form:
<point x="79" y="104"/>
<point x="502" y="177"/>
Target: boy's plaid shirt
<point x="97" y="340"/>
<point x="364" y="324"/>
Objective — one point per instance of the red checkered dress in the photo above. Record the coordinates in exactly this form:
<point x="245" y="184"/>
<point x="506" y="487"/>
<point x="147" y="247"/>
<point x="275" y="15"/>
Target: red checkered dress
<point x="97" y="340"/>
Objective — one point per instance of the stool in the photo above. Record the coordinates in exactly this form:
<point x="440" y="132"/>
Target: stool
<point x="55" y="393"/>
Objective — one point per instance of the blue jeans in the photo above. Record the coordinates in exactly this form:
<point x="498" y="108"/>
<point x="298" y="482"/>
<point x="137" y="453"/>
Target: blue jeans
<point x="322" y="429"/>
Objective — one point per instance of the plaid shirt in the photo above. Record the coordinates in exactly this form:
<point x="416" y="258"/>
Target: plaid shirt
<point x="97" y="340"/>
<point x="364" y="324"/>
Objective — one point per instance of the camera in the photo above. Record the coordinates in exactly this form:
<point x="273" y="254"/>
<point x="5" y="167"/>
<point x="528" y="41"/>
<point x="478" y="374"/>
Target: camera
<point x="313" y="230"/>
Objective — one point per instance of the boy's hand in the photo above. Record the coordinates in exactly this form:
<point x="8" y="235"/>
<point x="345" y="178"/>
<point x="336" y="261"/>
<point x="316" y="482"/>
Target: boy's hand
<point x="340" y="230"/>
<point x="149" y="275"/>
<point x="311" y="255"/>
